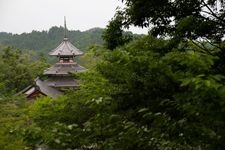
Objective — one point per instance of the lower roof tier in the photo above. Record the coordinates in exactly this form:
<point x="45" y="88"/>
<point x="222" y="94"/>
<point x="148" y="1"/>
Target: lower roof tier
<point x="50" y="87"/>
<point x="61" y="81"/>
<point x="63" y="69"/>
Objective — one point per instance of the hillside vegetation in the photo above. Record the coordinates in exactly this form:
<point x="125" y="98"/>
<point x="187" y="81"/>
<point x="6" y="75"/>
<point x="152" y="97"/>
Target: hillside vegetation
<point x="45" y="41"/>
<point x="162" y="91"/>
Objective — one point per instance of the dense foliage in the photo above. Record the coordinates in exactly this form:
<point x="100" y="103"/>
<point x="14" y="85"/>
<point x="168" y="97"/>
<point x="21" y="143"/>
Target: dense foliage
<point x="161" y="91"/>
<point x="183" y="18"/>
<point x="12" y="120"/>
<point x="114" y="35"/>
<point x="47" y="40"/>
<point x="139" y="98"/>
<point x="18" y="70"/>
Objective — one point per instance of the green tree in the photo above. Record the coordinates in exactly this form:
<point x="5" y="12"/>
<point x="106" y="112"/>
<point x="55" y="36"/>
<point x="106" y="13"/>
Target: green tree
<point x="169" y="91"/>
<point x="114" y="35"/>
<point x="139" y="98"/>
<point x="13" y="119"/>
<point x="44" y="41"/>
<point x="152" y="93"/>
<point x="18" y="70"/>
<point x="200" y="22"/>
<point x="200" y="18"/>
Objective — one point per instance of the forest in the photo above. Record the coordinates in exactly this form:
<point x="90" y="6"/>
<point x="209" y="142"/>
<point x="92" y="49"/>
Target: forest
<point x="43" y="41"/>
<point x="161" y="91"/>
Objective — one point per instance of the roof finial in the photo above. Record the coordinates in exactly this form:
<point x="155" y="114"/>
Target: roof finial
<point x="65" y="29"/>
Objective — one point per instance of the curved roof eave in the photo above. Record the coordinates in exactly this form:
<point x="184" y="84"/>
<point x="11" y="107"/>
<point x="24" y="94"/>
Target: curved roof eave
<point x="66" y="49"/>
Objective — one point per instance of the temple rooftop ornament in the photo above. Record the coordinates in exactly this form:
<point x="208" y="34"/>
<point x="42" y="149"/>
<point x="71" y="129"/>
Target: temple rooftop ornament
<point x="65" y="48"/>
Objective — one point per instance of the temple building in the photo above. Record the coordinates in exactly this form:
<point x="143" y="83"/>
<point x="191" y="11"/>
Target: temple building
<point x="58" y="77"/>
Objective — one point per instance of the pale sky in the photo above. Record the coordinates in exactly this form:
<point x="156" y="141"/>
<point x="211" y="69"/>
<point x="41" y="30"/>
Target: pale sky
<point x="18" y="16"/>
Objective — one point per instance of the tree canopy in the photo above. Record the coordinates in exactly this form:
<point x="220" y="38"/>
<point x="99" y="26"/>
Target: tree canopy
<point x="114" y="35"/>
<point x="187" y="18"/>
<point x="161" y="91"/>
<point x="45" y="41"/>
<point x="18" y="70"/>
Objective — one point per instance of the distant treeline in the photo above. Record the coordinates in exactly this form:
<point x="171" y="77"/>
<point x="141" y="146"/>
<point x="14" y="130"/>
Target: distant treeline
<point x="44" y="41"/>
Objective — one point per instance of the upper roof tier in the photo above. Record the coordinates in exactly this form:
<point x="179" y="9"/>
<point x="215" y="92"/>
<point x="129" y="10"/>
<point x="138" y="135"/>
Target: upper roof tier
<point x="66" y="49"/>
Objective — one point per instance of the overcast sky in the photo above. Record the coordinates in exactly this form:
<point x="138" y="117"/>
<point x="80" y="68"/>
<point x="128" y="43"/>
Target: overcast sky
<point x="18" y="16"/>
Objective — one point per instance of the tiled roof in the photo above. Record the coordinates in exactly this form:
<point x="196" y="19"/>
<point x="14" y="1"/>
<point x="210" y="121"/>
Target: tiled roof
<point x="60" y="81"/>
<point x="44" y="88"/>
<point x="63" y="69"/>
<point x="66" y="49"/>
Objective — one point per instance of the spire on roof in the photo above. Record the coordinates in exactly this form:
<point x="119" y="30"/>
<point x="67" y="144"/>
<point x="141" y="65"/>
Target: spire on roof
<point x="65" y="29"/>
<point x="65" y="48"/>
